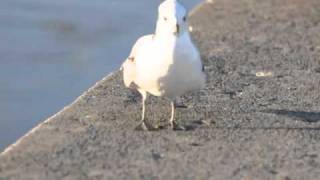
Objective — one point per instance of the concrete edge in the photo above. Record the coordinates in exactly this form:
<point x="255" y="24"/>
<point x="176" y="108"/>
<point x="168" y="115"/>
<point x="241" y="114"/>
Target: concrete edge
<point x="13" y="145"/>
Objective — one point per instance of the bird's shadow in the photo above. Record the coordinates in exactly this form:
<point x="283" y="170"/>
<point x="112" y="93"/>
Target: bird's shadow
<point x="196" y="124"/>
<point x="310" y="117"/>
<point x="304" y="116"/>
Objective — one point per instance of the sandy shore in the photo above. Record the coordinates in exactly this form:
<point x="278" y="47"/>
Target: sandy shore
<point x="258" y="117"/>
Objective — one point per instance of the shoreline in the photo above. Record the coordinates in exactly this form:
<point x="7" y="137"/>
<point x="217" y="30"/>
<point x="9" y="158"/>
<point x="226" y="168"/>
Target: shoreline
<point x="13" y="145"/>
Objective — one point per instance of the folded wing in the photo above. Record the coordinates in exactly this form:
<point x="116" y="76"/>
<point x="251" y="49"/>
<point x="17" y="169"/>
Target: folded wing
<point x="129" y="65"/>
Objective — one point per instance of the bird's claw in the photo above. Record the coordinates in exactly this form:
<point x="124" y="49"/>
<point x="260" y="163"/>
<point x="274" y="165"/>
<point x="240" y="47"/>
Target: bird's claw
<point x="143" y="127"/>
<point x="176" y="127"/>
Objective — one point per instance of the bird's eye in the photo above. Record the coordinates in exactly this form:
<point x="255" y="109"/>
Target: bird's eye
<point x="131" y="59"/>
<point x="165" y="18"/>
<point x="184" y="18"/>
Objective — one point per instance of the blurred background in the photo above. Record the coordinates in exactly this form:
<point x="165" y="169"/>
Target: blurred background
<point x="53" y="50"/>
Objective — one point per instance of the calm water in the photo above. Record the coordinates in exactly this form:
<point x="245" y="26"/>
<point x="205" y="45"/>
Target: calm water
<point x="53" y="50"/>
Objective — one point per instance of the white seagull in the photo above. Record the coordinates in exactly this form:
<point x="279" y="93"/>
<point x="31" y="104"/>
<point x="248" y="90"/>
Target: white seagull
<point x="166" y="63"/>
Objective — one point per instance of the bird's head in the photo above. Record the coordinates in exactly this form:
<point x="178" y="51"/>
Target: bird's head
<point x="172" y="18"/>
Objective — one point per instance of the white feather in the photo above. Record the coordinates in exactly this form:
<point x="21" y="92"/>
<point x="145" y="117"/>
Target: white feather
<point x="165" y="64"/>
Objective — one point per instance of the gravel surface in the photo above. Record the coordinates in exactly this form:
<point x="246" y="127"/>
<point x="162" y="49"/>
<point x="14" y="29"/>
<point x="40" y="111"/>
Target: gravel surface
<point x="258" y="117"/>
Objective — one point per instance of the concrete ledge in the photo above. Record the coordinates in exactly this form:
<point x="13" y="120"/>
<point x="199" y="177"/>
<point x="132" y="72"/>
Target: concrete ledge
<point x="258" y="118"/>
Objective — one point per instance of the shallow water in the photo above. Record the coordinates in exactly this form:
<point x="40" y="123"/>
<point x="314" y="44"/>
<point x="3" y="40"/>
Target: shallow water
<point x="51" y="51"/>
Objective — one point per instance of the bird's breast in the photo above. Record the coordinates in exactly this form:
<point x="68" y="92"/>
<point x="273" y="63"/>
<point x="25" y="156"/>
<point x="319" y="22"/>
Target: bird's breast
<point x="169" y="68"/>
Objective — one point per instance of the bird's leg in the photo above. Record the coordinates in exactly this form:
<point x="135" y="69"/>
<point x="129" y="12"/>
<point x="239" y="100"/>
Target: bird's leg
<point x="142" y="124"/>
<point x="171" y="121"/>
<point x="173" y="124"/>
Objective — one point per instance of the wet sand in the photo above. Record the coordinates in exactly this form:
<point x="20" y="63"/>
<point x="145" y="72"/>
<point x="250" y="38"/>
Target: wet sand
<point x="258" y="117"/>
